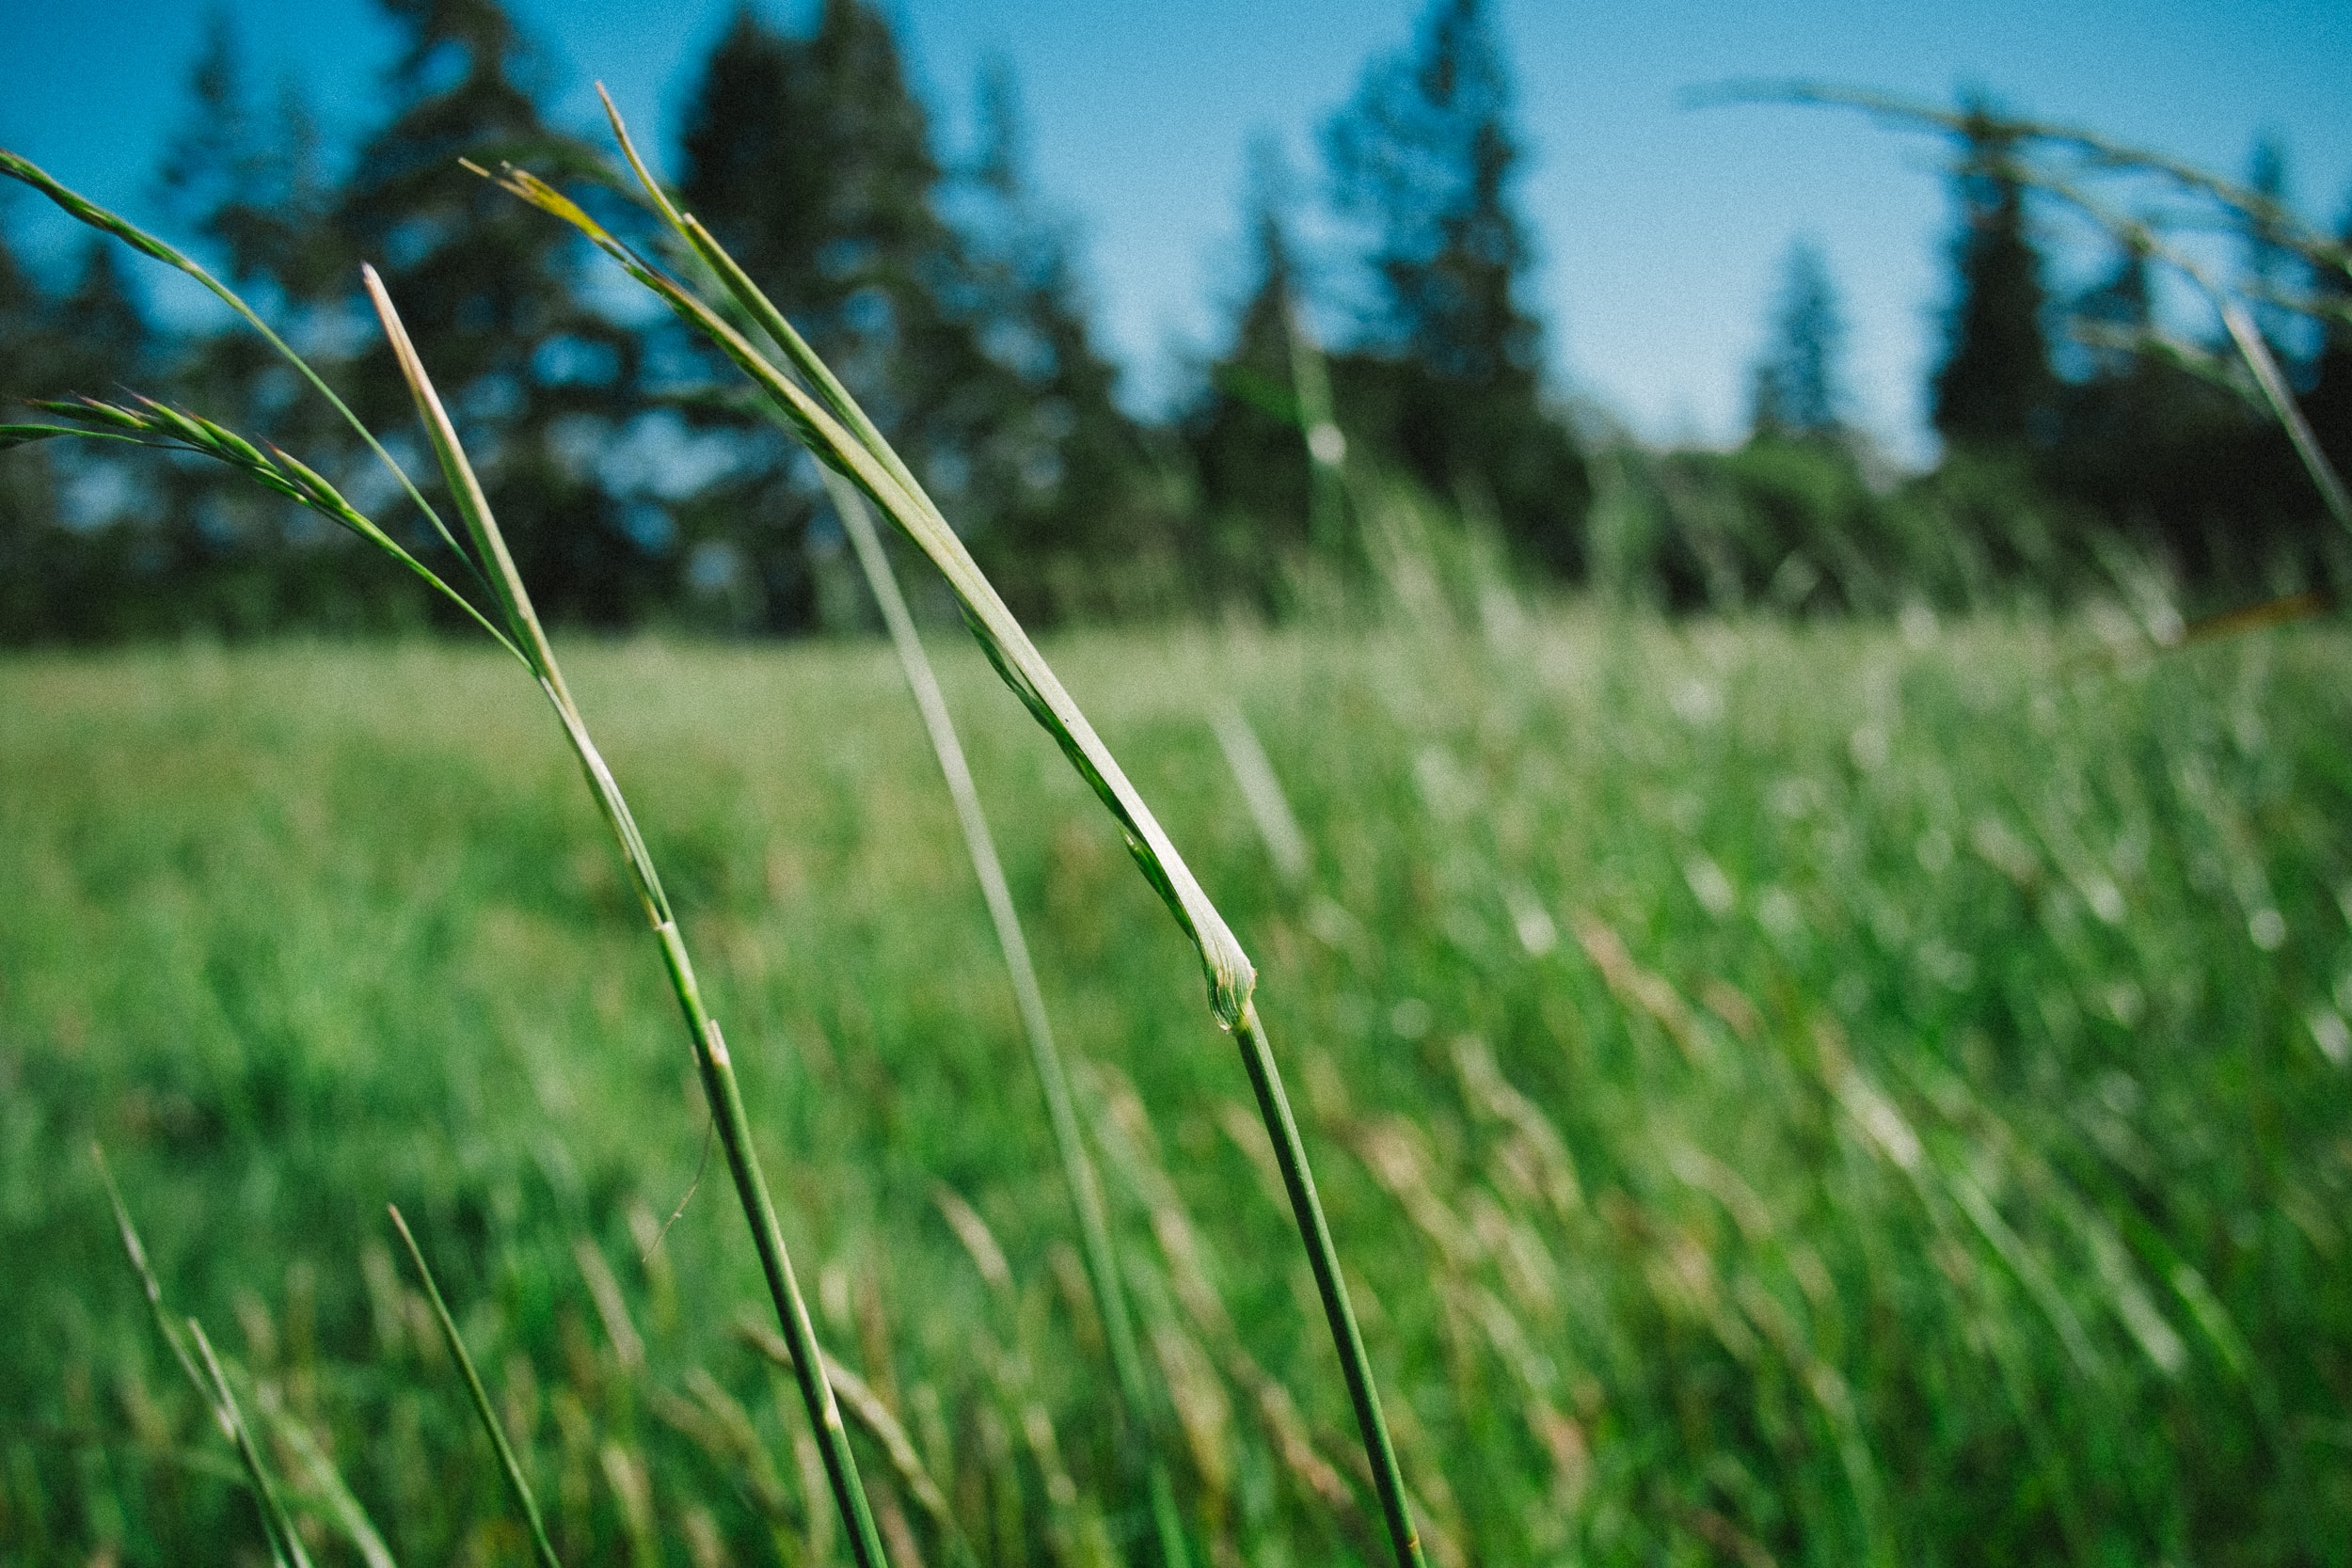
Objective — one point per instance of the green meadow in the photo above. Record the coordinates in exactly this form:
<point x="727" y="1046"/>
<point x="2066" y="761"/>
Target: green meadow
<point x="1782" y="1093"/>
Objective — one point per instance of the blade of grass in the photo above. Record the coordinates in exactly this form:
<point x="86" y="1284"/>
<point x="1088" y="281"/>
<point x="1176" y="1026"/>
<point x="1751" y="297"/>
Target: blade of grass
<point x="326" y="1483"/>
<point x="712" y="1060"/>
<point x="206" y="1378"/>
<point x="283" y="1540"/>
<point x="2288" y="412"/>
<point x="164" y="427"/>
<point x="1053" y="1075"/>
<point x="823" y="421"/>
<point x="875" y="1416"/>
<point x="516" y="1481"/>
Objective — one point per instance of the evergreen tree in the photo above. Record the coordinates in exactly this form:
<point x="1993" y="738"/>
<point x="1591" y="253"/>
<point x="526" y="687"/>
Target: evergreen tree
<point x="1246" y="432"/>
<point x="2328" y="404"/>
<point x="1448" y="375"/>
<point x="2272" y="268"/>
<point x="36" y="552"/>
<point x="1994" y="388"/>
<point x="1066" y="522"/>
<point x="252" y="187"/>
<point x="810" y="158"/>
<point x="1797" y="393"/>
<point x="947" y="303"/>
<point x="541" y="384"/>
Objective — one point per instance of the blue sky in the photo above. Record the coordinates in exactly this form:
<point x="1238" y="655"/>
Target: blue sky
<point x="1661" y="229"/>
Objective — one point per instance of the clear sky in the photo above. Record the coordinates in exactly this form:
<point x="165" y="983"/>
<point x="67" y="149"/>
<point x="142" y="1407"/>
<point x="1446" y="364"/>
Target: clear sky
<point x="1661" y="229"/>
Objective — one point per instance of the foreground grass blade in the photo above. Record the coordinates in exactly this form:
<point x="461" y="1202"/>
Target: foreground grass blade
<point x="516" y="1481"/>
<point x="1078" y="1173"/>
<point x="2288" y="412"/>
<point x="828" y="421"/>
<point x="712" y="1058"/>
<point x="160" y="426"/>
<point x="285" y="1546"/>
<point x="283" y="1540"/>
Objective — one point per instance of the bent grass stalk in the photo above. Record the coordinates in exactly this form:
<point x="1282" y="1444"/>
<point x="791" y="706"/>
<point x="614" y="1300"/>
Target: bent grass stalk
<point x="521" y="634"/>
<point x="1053" y="1075"/>
<point x="812" y="405"/>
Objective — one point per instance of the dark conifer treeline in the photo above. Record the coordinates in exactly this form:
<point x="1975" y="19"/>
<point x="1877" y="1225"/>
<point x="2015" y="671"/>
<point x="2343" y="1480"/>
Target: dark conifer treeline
<point x="639" y="487"/>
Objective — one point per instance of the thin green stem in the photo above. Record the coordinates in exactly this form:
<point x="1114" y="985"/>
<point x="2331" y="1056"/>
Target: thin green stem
<point x="1078" y="1172"/>
<point x="2282" y="404"/>
<point x="1290" y="1154"/>
<point x="284" y="1543"/>
<point x="516" y="1481"/>
<point x="712" y="1060"/>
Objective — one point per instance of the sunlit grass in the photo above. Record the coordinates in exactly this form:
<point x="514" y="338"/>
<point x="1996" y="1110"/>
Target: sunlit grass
<point x="1786" y="1091"/>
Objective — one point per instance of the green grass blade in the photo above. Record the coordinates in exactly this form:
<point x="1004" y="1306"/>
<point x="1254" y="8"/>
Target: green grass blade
<point x="712" y="1061"/>
<point x="2289" y="413"/>
<point x="163" y="428"/>
<point x="1078" y="1172"/>
<point x="516" y="1481"/>
<point x="284" y="1543"/>
<point x="1226" y="966"/>
<point x="887" y="484"/>
<point x="1290" y="1154"/>
<point x="205" y="1376"/>
<point x="327" y="1485"/>
<point x="876" y="1417"/>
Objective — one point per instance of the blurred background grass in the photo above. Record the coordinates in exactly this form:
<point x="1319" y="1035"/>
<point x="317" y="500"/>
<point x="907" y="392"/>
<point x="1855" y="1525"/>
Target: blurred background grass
<point x="1784" y="1093"/>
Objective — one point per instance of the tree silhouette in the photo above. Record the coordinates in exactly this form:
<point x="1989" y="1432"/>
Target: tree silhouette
<point x="1993" y="389"/>
<point x="1797" y="393"/>
<point x="542" y="384"/>
<point x="1447" y="376"/>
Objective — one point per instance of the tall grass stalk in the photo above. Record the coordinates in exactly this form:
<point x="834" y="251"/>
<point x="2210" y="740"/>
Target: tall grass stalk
<point x="811" y="405"/>
<point x="1053" y="1075"/>
<point x="519" y="631"/>
<point x="711" y="1057"/>
<point x="510" y="1468"/>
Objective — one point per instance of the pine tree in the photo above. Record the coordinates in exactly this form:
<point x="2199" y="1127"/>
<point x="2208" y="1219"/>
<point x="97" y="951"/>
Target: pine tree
<point x="253" y="188"/>
<point x="1447" y="377"/>
<point x="1994" y="388"/>
<point x="1248" y="430"/>
<point x="249" y="187"/>
<point x="1427" y="153"/>
<point x="1798" y="390"/>
<point x="540" y="384"/>
<point x="37" y="553"/>
<point x="2272" y="267"/>
<point x="1067" y="523"/>
<point x="2328" y="404"/>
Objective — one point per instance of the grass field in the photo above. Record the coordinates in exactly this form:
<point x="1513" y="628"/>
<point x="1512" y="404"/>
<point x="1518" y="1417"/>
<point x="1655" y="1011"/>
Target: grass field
<point x="1795" y="1095"/>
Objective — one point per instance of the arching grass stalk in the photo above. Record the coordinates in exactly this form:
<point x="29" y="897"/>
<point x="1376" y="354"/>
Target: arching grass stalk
<point x="810" y="403"/>
<point x="82" y="208"/>
<point x="1052" y="1076"/>
<point x="517" y="628"/>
